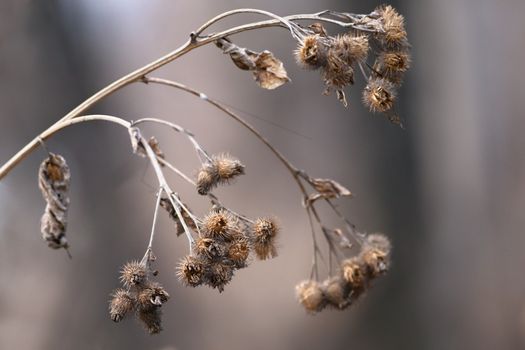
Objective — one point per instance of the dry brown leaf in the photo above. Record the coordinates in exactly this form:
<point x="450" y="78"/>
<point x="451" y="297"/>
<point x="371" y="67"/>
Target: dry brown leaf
<point x="267" y="70"/>
<point x="270" y="72"/>
<point x="330" y="189"/>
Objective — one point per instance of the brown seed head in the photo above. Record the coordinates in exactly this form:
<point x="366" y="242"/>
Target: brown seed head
<point x="210" y="248"/>
<point x="190" y="271"/>
<point x="375" y="261"/>
<point x="337" y="292"/>
<point x="353" y="272"/>
<point x="227" y="167"/>
<point x="219" y="275"/>
<point x="153" y="294"/>
<point x="151" y="319"/>
<point x="393" y="26"/>
<point x="379" y="95"/>
<point x="264" y="232"/>
<point x="310" y="295"/>
<point x="337" y="72"/>
<point x="219" y="224"/>
<point x="351" y="48"/>
<point x="393" y="62"/>
<point x="311" y="52"/>
<point x="133" y="273"/>
<point x="122" y="303"/>
<point x="207" y="179"/>
<point x="238" y="253"/>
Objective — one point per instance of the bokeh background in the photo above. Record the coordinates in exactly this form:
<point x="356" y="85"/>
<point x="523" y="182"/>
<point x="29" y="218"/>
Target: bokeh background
<point x="449" y="189"/>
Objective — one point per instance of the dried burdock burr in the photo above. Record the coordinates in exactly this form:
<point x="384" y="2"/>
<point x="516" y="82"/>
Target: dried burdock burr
<point x="151" y="318"/>
<point x="350" y="48"/>
<point x="152" y="294"/>
<point x="393" y="26"/>
<point x="311" y="52"/>
<point x="218" y="275"/>
<point x="337" y="292"/>
<point x="379" y="95"/>
<point x="220" y="169"/>
<point x="210" y="248"/>
<point x="353" y="272"/>
<point x="310" y="295"/>
<point x="238" y="253"/>
<point x="219" y="224"/>
<point x="122" y="303"/>
<point x="133" y="273"/>
<point x="54" y="179"/>
<point x="376" y="261"/>
<point x="190" y="271"/>
<point x="264" y="232"/>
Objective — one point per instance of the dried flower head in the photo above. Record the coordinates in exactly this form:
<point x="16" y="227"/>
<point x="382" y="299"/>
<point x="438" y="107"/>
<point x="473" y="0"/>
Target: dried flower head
<point x="337" y="292"/>
<point x="190" y="271"/>
<point x="311" y="53"/>
<point x="153" y="294"/>
<point x="222" y="169"/>
<point x="351" y="48"/>
<point x="264" y="232"/>
<point x="379" y="95"/>
<point x="310" y="295"/>
<point x="238" y="253"/>
<point x="210" y="248"/>
<point x="133" y="273"/>
<point x="122" y="303"/>
<point x="219" y="223"/>
<point x="393" y="26"/>
<point x="393" y="62"/>
<point x="353" y="273"/>
<point x="337" y="72"/>
<point x="375" y="261"/>
<point x="219" y="275"/>
<point x="151" y="319"/>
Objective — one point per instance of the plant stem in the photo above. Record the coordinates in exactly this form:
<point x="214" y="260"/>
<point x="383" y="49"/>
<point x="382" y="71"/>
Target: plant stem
<point x="136" y="75"/>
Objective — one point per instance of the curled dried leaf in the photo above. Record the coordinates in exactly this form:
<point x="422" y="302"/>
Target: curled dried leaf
<point x="54" y="179"/>
<point x="270" y="72"/>
<point x="267" y="70"/>
<point x="329" y="189"/>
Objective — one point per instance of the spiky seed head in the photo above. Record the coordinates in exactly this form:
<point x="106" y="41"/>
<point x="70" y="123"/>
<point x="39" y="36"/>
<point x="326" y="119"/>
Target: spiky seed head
<point x="264" y="232"/>
<point x="227" y="167"/>
<point x="121" y="304"/>
<point x="219" y="224"/>
<point x="133" y="273"/>
<point x="379" y="95"/>
<point x="375" y="261"/>
<point x="393" y="62"/>
<point x="207" y="179"/>
<point x="238" y="253"/>
<point x="219" y="275"/>
<point x="151" y="319"/>
<point x="311" y="52"/>
<point x="337" y="292"/>
<point x="393" y="26"/>
<point x="210" y="248"/>
<point x="310" y="295"/>
<point x="353" y="272"/>
<point x="350" y="48"/>
<point x="337" y="72"/>
<point x="153" y="294"/>
<point x="190" y="271"/>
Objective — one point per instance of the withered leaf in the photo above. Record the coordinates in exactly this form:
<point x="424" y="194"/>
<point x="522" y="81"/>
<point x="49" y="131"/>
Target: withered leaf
<point x="270" y="72"/>
<point x="328" y="188"/>
<point x="267" y="70"/>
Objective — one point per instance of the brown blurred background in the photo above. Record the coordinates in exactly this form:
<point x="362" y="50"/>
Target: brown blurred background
<point x="449" y="190"/>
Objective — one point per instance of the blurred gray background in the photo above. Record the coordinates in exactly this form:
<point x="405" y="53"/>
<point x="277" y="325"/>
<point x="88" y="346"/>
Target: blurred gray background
<point x="449" y="190"/>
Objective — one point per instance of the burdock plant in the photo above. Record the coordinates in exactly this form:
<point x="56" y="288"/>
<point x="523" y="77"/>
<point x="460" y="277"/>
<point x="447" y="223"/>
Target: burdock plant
<point x="370" y="46"/>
